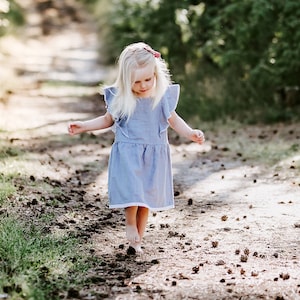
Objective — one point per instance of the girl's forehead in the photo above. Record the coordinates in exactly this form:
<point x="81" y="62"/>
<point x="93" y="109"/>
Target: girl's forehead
<point x="144" y="72"/>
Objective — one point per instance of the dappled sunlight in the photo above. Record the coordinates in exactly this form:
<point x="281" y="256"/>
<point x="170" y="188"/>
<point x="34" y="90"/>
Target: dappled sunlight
<point x="292" y="162"/>
<point x="48" y="109"/>
<point x="237" y="193"/>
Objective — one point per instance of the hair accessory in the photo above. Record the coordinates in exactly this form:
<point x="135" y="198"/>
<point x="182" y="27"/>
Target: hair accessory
<point x="153" y="52"/>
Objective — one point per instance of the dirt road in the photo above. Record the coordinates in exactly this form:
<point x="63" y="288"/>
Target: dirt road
<point x="235" y="231"/>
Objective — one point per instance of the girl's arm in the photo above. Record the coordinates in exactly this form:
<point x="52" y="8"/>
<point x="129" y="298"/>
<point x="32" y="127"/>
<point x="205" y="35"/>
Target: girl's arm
<point x="101" y="122"/>
<point x="182" y="128"/>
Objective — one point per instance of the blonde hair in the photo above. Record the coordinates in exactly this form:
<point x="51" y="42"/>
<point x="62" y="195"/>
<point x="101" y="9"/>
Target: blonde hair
<point x="132" y="57"/>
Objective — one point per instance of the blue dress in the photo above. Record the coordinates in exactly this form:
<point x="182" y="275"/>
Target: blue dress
<point x="139" y="169"/>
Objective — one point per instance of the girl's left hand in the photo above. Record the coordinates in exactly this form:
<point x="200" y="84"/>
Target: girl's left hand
<point x="197" y="136"/>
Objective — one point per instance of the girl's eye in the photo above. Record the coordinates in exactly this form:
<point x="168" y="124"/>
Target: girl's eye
<point x="148" y="79"/>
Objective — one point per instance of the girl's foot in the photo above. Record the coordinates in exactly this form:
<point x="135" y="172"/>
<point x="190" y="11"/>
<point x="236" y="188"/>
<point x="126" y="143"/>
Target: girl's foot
<point x="135" y="248"/>
<point x="132" y="234"/>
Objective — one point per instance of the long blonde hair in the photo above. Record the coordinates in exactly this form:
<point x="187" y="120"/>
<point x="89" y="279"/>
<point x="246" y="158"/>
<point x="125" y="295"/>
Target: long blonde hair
<point x="132" y="57"/>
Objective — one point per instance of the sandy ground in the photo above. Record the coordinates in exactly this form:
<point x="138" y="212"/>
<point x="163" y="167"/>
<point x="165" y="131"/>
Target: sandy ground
<point x="235" y="231"/>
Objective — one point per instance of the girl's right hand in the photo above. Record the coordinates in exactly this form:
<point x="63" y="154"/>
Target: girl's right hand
<point x="75" y="128"/>
<point x="197" y="136"/>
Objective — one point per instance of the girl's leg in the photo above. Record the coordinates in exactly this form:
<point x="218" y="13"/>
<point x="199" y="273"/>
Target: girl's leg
<point x="141" y="220"/>
<point x="132" y="233"/>
<point x="136" y="221"/>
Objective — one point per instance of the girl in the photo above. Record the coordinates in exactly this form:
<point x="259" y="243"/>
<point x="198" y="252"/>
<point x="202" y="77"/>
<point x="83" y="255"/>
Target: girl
<point x="141" y="106"/>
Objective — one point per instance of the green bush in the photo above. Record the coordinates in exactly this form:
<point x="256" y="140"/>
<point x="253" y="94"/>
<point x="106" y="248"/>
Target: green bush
<point x="238" y="59"/>
<point x="10" y="15"/>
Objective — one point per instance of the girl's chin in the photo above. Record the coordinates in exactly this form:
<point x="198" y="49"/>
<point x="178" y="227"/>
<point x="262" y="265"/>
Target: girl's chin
<point x="143" y="94"/>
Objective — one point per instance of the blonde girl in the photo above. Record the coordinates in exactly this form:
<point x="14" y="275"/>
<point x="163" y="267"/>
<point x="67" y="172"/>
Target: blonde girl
<point x="140" y="106"/>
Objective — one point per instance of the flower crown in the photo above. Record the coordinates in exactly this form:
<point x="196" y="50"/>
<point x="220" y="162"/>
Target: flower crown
<point x="153" y="52"/>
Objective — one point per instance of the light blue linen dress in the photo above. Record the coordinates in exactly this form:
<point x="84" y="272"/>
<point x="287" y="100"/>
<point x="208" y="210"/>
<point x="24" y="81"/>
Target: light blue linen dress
<point x="139" y="170"/>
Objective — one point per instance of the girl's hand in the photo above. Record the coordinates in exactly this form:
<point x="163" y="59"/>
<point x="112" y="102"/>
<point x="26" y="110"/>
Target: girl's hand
<point x="75" y="128"/>
<point x="197" y="136"/>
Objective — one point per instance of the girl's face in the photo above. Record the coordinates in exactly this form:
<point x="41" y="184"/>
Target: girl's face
<point x="144" y="81"/>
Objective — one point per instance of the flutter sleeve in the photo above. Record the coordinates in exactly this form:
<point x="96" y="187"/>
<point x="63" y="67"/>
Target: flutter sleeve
<point x="169" y="105"/>
<point x="109" y="94"/>
<point x="119" y="123"/>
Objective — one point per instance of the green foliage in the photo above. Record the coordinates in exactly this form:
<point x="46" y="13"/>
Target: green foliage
<point x="34" y="265"/>
<point x="232" y="58"/>
<point x="10" y="15"/>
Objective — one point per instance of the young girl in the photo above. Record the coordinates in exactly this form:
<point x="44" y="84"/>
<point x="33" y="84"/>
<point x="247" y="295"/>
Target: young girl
<point x="141" y="106"/>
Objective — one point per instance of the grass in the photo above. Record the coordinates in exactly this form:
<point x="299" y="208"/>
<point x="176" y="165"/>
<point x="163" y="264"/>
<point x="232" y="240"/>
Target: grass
<point x="266" y="153"/>
<point x="34" y="265"/>
<point x="6" y="187"/>
<point x="37" y="266"/>
<point x="264" y="145"/>
<point x="6" y="152"/>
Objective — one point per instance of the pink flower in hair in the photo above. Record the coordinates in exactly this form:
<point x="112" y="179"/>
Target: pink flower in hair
<point x="155" y="53"/>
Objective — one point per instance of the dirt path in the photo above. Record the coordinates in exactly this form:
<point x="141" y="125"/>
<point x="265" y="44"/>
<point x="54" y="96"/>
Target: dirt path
<point x="235" y="232"/>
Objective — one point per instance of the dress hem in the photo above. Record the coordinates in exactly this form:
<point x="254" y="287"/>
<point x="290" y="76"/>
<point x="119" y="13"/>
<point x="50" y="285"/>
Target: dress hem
<point x="143" y="205"/>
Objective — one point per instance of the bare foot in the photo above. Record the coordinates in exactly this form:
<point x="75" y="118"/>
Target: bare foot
<point x="137" y="247"/>
<point x="132" y="234"/>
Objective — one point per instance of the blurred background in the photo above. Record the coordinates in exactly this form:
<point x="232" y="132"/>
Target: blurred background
<point x="236" y="60"/>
